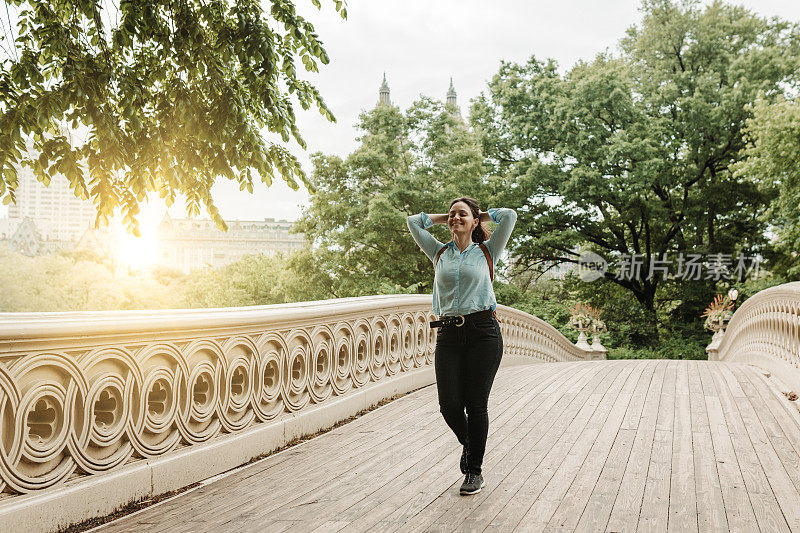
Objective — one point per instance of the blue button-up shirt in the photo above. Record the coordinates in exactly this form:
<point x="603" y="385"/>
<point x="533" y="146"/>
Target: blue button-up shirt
<point x="461" y="284"/>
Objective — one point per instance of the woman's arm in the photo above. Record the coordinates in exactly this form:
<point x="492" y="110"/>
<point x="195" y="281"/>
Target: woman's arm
<point x="438" y="219"/>
<point x="505" y="219"/>
<point x="417" y="224"/>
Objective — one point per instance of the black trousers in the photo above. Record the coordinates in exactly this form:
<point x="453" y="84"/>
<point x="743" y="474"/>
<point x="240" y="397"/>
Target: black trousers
<point x="467" y="359"/>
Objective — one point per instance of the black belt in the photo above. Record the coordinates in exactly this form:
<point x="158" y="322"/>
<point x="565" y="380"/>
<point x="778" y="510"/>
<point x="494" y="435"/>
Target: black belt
<point x="460" y="320"/>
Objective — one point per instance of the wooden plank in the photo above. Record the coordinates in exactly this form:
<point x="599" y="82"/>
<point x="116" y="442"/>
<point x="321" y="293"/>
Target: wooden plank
<point x="426" y="406"/>
<point x="601" y="500"/>
<point x="738" y="508"/>
<point x="433" y="501"/>
<point x="764" y="505"/>
<point x="578" y="441"/>
<point x="781" y="483"/>
<point x="373" y="497"/>
<point x="281" y="465"/>
<point x="710" y="504"/>
<point x="574" y="501"/>
<point x="624" y="514"/>
<point x="386" y="468"/>
<point x="783" y="431"/>
<point x="349" y="478"/>
<point x="682" y="513"/>
<point x="430" y="505"/>
<point x="535" y="472"/>
<point x="393" y="495"/>
<point x="322" y="458"/>
<point x="579" y="446"/>
<point x="211" y="502"/>
<point x="208" y="499"/>
<point x="786" y="412"/>
<point x="654" y="513"/>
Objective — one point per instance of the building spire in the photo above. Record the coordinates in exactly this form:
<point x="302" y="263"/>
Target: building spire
<point x="451" y="101"/>
<point x="451" y="94"/>
<point x="383" y="93"/>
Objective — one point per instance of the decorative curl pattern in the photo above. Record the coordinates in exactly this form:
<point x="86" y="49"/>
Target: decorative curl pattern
<point x="767" y="325"/>
<point x="88" y="409"/>
<point x="64" y="413"/>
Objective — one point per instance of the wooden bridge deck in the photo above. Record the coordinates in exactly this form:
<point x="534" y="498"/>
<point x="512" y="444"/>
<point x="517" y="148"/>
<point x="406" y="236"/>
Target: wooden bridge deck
<point x="650" y="445"/>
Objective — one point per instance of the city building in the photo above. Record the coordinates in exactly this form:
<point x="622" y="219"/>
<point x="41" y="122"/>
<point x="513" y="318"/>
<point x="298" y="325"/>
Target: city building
<point x="189" y="244"/>
<point x="383" y="93"/>
<point x="99" y="242"/>
<point x="560" y="270"/>
<point x="7" y="227"/>
<point x="45" y="220"/>
<point x="23" y="236"/>
<point x="57" y="214"/>
<point x="450" y="98"/>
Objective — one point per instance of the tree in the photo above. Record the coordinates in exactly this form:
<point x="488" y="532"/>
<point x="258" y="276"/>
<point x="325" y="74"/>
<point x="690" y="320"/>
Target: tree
<point x="773" y="158"/>
<point x="632" y="153"/>
<point x="155" y="95"/>
<point x="257" y="280"/>
<point x="407" y="162"/>
<point x="69" y="281"/>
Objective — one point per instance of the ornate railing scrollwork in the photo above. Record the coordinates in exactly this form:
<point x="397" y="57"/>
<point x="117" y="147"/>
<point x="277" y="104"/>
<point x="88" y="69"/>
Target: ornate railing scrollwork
<point x="765" y="331"/>
<point x="85" y="393"/>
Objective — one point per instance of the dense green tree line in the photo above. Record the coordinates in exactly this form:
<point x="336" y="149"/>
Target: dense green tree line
<point x="651" y="151"/>
<point x="773" y="158"/>
<point x="637" y="149"/>
<point x="411" y="161"/>
<point x="137" y="96"/>
<point x="685" y="140"/>
<point x="81" y="281"/>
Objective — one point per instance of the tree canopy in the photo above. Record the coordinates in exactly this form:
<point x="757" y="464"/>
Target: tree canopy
<point x="773" y="159"/>
<point x="155" y="95"/>
<point x="632" y="153"/>
<point x="407" y="162"/>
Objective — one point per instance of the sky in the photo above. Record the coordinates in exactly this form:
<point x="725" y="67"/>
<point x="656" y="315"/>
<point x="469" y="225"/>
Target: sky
<point x="420" y="44"/>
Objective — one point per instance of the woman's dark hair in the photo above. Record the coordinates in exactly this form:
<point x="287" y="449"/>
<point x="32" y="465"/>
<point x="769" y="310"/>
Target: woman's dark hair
<point x="481" y="232"/>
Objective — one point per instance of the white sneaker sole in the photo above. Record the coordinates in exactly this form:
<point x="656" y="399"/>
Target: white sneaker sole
<point x="466" y="492"/>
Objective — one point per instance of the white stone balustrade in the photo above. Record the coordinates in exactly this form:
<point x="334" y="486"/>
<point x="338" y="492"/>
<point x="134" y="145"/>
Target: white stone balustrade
<point x="765" y="332"/>
<point x="88" y="392"/>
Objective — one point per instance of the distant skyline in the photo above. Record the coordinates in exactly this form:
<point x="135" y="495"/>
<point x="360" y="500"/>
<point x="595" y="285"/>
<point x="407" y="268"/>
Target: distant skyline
<point x="420" y="45"/>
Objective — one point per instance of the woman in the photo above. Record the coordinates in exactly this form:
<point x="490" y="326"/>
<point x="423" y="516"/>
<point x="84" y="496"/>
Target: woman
<point x="469" y="344"/>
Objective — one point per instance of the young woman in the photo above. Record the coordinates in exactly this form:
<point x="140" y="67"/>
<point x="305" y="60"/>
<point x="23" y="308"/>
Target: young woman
<point x="469" y="345"/>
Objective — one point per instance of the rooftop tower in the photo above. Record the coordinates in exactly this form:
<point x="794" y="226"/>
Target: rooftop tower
<point x="383" y="94"/>
<point x="451" y="94"/>
<point x="451" y="99"/>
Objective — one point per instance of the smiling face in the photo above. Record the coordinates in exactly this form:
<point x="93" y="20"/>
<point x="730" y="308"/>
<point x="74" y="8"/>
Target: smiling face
<point x="460" y="219"/>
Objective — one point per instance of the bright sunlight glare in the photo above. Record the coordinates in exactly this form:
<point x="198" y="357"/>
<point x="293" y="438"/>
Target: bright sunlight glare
<point x="138" y="252"/>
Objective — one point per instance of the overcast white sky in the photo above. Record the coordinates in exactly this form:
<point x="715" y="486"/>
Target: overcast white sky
<point x="420" y="44"/>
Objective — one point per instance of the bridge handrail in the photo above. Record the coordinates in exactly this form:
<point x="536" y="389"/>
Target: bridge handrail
<point x="90" y="392"/>
<point x="765" y="331"/>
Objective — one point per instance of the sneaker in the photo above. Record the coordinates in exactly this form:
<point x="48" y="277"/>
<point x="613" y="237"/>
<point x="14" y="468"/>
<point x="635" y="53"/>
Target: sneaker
<point x="473" y="483"/>
<point x="464" y="461"/>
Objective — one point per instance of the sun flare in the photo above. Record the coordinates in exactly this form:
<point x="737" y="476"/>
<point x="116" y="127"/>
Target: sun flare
<point x="138" y="252"/>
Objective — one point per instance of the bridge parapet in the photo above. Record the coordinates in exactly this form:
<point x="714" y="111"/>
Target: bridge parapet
<point x="765" y="331"/>
<point x="131" y="404"/>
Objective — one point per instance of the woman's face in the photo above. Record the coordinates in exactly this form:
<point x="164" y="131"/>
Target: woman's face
<point x="460" y="219"/>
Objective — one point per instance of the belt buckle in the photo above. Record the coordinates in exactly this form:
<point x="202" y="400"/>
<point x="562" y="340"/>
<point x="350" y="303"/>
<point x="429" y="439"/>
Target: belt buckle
<point x="455" y="318"/>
